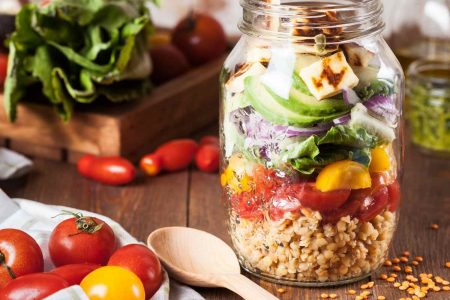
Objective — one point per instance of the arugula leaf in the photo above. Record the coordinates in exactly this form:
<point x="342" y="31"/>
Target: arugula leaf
<point x="377" y="87"/>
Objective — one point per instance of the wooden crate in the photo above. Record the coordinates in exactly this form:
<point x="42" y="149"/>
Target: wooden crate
<point x="175" y="109"/>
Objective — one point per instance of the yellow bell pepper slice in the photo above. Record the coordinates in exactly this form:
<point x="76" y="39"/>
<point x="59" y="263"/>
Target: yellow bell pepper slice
<point x="381" y="161"/>
<point x="341" y="175"/>
<point x="235" y="175"/>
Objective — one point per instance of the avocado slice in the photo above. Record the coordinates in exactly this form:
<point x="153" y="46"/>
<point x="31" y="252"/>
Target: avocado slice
<point x="301" y="100"/>
<point x="270" y="107"/>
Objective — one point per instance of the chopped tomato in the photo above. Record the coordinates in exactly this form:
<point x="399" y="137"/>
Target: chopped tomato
<point x="374" y="204"/>
<point x="247" y="206"/>
<point x="394" y="196"/>
<point x="285" y="200"/>
<point x="280" y="206"/>
<point x="267" y="188"/>
<point x="265" y="179"/>
<point x="312" y="198"/>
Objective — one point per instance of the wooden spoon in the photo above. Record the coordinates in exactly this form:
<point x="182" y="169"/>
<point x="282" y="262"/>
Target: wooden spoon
<point x="200" y="259"/>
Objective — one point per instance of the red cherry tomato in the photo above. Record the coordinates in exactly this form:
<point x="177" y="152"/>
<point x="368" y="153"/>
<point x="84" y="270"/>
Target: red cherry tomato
<point x="374" y="204"/>
<point x="141" y="261"/>
<point x="209" y="139"/>
<point x="350" y="208"/>
<point x="33" y="287"/>
<point x="200" y="37"/>
<point x="84" y="164"/>
<point x="3" y="67"/>
<point x="74" y="273"/>
<point x="168" y="63"/>
<point x="207" y="158"/>
<point x="316" y="200"/>
<point x="394" y="196"/>
<point x="151" y="164"/>
<point x="107" y="170"/>
<point x="177" y="155"/>
<point x="19" y="255"/>
<point x="81" y="240"/>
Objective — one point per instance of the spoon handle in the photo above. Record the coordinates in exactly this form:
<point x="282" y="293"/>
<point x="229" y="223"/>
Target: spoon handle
<point x="246" y="288"/>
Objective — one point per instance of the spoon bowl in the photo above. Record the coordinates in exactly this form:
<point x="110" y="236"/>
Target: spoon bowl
<point x="174" y="246"/>
<point x="199" y="258"/>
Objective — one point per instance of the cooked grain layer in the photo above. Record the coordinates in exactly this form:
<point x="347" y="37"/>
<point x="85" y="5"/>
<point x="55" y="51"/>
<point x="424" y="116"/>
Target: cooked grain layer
<point x="301" y="248"/>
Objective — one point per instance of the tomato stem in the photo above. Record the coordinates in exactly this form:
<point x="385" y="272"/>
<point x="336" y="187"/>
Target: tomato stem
<point x="8" y="268"/>
<point x="191" y="21"/>
<point x="84" y="224"/>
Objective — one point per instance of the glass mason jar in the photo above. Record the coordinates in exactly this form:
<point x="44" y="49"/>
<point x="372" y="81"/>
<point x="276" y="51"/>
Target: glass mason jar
<point x="428" y="91"/>
<point x="311" y="138"/>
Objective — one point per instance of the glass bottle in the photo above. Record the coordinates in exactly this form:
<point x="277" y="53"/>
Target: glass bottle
<point x="419" y="29"/>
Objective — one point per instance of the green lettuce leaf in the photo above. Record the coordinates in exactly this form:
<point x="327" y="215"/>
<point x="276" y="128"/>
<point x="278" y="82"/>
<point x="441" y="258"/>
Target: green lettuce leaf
<point x="308" y="166"/>
<point x="347" y="136"/>
<point x="79" y="51"/>
<point x="339" y="143"/>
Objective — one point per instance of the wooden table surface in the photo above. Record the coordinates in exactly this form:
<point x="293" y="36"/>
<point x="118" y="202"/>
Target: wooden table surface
<point x="191" y="198"/>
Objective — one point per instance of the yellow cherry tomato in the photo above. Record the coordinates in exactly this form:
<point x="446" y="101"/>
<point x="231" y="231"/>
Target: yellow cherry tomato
<point x="343" y="175"/>
<point x="380" y="160"/>
<point x="113" y="283"/>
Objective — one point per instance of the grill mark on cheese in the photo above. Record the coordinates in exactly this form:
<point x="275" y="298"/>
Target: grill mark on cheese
<point x="328" y="74"/>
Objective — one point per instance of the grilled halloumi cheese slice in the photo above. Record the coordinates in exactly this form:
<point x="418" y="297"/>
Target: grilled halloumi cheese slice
<point x="329" y="76"/>
<point x="235" y="84"/>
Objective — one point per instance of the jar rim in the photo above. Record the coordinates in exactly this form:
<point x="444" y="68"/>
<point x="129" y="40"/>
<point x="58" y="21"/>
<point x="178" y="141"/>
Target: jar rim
<point x="329" y="4"/>
<point x="419" y="70"/>
<point x="354" y="19"/>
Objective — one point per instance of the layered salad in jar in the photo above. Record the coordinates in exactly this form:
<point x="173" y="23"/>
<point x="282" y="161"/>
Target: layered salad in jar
<point x="310" y="170"/>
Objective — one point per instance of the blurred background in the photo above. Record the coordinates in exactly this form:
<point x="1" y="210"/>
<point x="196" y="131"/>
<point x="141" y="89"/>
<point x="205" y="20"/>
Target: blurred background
<point x="415" y="28"/>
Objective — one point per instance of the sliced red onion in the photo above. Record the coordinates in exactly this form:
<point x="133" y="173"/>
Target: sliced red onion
<point x="383" y="106"/>
<point x="350" y="96"/>
<point x="342" y="120"/>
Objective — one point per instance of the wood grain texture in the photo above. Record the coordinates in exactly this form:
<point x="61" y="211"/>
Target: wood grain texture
<point x="155" y="202"/>
<point x="194" y="198"/>
<point x="206" y="210"/>
<point x="34" y="150"/>
<point x="179" y="107"/>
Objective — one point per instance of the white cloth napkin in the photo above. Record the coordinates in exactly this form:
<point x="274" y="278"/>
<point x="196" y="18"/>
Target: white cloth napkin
<point x="13" y="164"/>
<point x="36" y="219"/>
